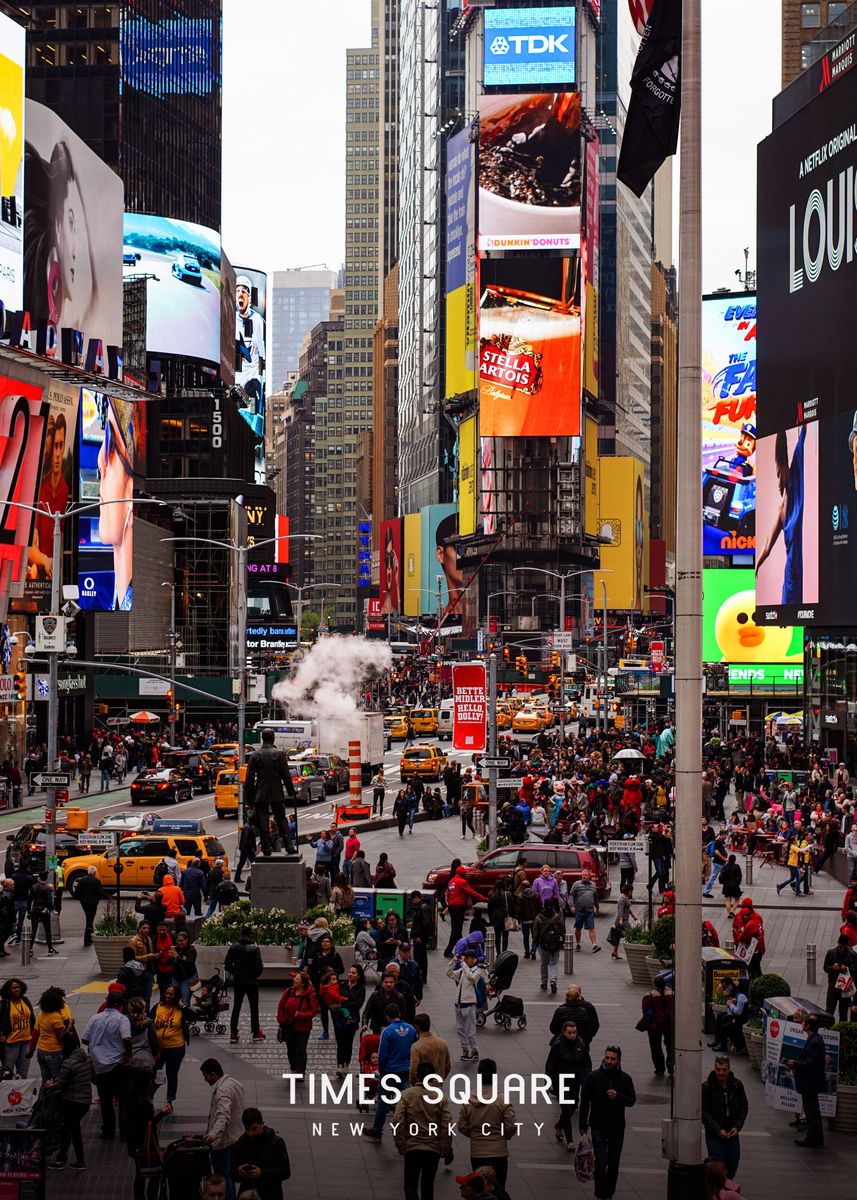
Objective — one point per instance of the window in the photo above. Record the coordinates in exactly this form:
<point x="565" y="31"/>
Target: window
<point x="805" y="56"/>
<point x="810" y="16"/>
<point x="835" y="10"/>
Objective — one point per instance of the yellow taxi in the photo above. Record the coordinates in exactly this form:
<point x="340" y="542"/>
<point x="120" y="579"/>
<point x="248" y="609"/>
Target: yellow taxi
<point x="227" y="752"/>
<point x="545" y="714"/>
<point x="423" y="720"/>
<point x="396" y="728"/>
<point x="515" y="703"/>
<point x="427" y="762"/>
<point x="227" y="792"/>
<point x="527" y="720"/>
<point x="138" y="857"/>
<point x="504" y="718"/>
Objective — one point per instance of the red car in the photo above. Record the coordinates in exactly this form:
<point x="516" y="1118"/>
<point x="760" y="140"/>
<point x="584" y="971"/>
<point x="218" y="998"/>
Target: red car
<point x="499" y="864"/>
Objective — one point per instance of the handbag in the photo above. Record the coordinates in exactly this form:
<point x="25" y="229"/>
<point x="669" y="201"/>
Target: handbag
<point x="149" y="1159"/>
<point x="511" y="925"/>
<point x="614" y="935"/>
<point x="584" y="1160"/>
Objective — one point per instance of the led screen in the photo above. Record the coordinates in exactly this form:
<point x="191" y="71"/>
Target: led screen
<point x="529" y="46"/>
<point x="176" y="57"/>
<point x="12" y="50"/>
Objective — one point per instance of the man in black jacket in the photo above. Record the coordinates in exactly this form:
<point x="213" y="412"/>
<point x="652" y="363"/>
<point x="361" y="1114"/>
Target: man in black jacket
<point x="260" y="1160"/>
<point x="7" y="915"/>
<point x="267" y="775"/>
<point x="244" y="964"/>
<point x="840" y="961"/>
<point x="605" y="1095"/>
<point x="246" y="849"/>
<point x="40" y="904"/>
<point x="89" y="893"/>
<point x="420" y="931"/>
<point x="375" y="1012"/>
<point x="23" y="881"/>
<point x="151" y="908"/>
<point x="810" y="1080"/>
<point x="582" y="1012"/>
<point x="724" y="1111"/>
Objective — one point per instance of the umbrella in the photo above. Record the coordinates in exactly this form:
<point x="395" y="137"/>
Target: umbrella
<point x="144" y="717"/>
<point x="628" y="752"/>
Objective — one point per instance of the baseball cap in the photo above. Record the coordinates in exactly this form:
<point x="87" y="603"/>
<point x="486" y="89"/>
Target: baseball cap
<point x="473" y="1177"/>
<point x="243" y="281"/>
<point x="116" y="989"/>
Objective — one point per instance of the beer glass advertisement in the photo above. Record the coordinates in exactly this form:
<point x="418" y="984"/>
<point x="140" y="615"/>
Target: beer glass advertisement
<point x="529" y="172"/>
<point x="729" y="423"/>
<point x="111" y="444"/>
<point x="56" y="488"/>
<point x="529" y="348"/>
<point x="72" y="231"/>
<point x="12" y="51"/>
<point x="183" y="304"/>
<point x="24" y="418"/>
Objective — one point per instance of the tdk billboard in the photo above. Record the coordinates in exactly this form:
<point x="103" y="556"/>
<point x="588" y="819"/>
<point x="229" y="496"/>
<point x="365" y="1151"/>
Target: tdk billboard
<point x="526" y="46"/>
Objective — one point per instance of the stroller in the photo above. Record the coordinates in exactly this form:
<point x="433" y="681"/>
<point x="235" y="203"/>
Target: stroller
<point x="210" y="1003"/>
<point x="185" y="1161"/>
<point x="506" y="1008"/>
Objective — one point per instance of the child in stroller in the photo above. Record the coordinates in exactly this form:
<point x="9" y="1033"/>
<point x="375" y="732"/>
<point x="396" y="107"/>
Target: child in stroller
<point x="210" y="1003"/>
<point x="506" y="1008"/>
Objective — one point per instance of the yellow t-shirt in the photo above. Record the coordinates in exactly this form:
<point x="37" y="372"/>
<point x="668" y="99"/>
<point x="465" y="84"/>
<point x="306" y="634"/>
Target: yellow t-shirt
<point x="51" y="1027"/>
<point x="19" y="1021"/>
<point x="168" y="1026"/>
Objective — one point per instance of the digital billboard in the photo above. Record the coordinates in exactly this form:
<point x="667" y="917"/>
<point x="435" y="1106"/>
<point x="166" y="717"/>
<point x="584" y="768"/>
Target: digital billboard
<point x="24" y="417"/>
<point x="529" y="347"/>
<point x="467" y="488"/>
<point x="460" y="265"/>
<point x="529" y="46"/>
<point x="529" y="171"/>
<point x="590" y="255"/>
<point x="183" y="302"/>
<point x="624" y="523"/>
<point x="729" y="423"/>
<point x="251" y="353"/>
<point x="391" y="582"/>
<point x="807" y="363"/>
<point x="590" y="477"/>
<point x="72" y="231"/>
<point x="440" y="566"/>
<point x="56" y="487"/>
<point x="730" y="633"/>
<point x="12" y="52"/>
<point x="413" y="556"/>
<point x="111" y="449"/>
<point x="179" y="56"/>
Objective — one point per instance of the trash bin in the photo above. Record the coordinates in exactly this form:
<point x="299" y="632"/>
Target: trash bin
<point x="386" y="902"/>
<point x="719" y="967"/>
<point x="786" y="1008"/>
<point x="364" y="904"/>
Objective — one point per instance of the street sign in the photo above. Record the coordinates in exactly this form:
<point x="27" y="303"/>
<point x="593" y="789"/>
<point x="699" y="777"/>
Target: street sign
<point x="629" y="846"/>
<point x="104" y="838"/>
<point x="52" y="779"/>
<point x="508" y="784"/>
<point x="50" y="635"/>
<point x="487" y="763"/>
<point x="118" y="721"/>
<point x="563" y="641"/>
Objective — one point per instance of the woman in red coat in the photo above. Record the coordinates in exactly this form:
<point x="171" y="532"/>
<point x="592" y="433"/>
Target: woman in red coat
<point x="295" y="1015"/>
<point x="747" y="924"/>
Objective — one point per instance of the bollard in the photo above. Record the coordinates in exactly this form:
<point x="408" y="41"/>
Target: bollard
<point x="490" y="947"/>
<point x="26" y="947"/>
<point x="811" y="956"/>
<point x="56" y="934"/>
<point x="568" y="954"/>
<point x="748" y="870"/>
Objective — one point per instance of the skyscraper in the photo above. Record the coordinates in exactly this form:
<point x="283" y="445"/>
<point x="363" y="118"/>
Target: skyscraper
<point x="801" y="24"/>
<point x="299" y="301"/>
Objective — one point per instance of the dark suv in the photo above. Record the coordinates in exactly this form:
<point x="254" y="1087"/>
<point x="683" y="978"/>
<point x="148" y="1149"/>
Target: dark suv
<point x="198" y="767"/>
<point x="30" y="841"/>
<point x="499" y="864"/>
<point x="333" y="769"/>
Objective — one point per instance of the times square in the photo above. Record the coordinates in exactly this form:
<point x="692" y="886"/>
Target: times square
<point x="378" y="634"/>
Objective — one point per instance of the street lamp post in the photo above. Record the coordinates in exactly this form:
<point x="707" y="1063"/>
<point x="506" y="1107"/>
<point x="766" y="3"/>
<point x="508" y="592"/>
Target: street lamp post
<point x="173" y="718"/>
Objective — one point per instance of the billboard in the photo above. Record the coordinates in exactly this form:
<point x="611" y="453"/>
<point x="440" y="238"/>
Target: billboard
<point x="590" y="259"/>
<point x="590" y="477"/>
<point x="787" y="571"/>
<point x="12" y="51"/>
<point x="529" y="347"/>
<point x="413" y="555"/>
<point x="179" y="56"/>
<point x="460" y="265"/>
<point x="729" y="423"/>
<point x="392" y="578"/>
<point x="529" y="46"/>
<point x="729" y="631"/>
<point x="529" y="171"/>
<point x="111" y="449"/>
<point x="183" y="304"/>
<point x="72" y="231"/>
<point x="624" y="522"/>
<point x="469" y="706"/>
<point x="56" y="487"/>
<point x="440" y="563"/>
<point x="467" y="477"/>
<point x="24" y="416"/>
<point x="251" y="353"/>
<point x="227" y="321"/>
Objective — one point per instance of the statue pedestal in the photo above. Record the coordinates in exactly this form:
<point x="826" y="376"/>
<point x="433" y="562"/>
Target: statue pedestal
<point x="279" y="881"/>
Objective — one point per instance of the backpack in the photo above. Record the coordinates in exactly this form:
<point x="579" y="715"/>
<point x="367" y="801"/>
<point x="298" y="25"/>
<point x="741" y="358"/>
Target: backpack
<point x="227" y="893"/>
<point x="481" y="993"/>
<point x="161" y="872"/>
<point x="550" y="938"/>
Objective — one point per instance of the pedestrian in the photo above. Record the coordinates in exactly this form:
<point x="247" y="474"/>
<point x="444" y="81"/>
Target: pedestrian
<point x="394" y="1064"/>
<point x="798" y="858"/>
<point x="361" y="875"/>
<point x="17" y="1022"/>
<point x="568" y="1057"/>
<point x="747" y="928"/>
<point x="490" y="1124"/>
<point x="470" y="978"/>
<point x="412" y="796"/>
<point x="584" y="906"/>
<point x="244" y="964"/>
<point x="421" y="931"/>
<point x="246" y="849"/>
<point x="164" y="947"/>
<point x="352" y="845"/>
<point x="260" y="1160"/>
<point x="385" y="872"/>
<point x="810" y="1081"/>
<point x="142" y="1134"/>
<point x="657" y="1020"/>
<point x="22" y="883"/>
<point x="295" y="1014"/>
<point x="89" y="893"/>
<point x="719" y="858"/>
<point x="74" y="1086"/>
<point x="337" y="845"/>
<point x="730" y="882"/>
<point x="459" y="894"/>
<point x="224" y="1126"/>
<point x="582" y="1012"/>
<point x="624" y="916"/>
<point x="172" y="897"/>
<point x="40" y="902"/>
<point x="379" y="791"/>
<point x="528" y="908"/>
<point x="606" y="1093"/>
<point x="466" y="812"/>
<point x="346" y="1016"/>
<point x="400" y="811"/>
<point x="105" y="763"/>
<point x="729" y="1026"/>
<point x="145" y="1047"/>
<point x="144" y="952"/>
<point x="171" y="1021"/>
<point x="326" y="955"/>
<point x="545" y="885"/>
<point x="428" y="1048"/>
<point x="7" y="914"/>
<point x="840" y="967"/>
<point x="627" y="864"/>
<point x="724" y="1111"/>
<point x="548" y="938"/>
<point x="422" y="1136"/>
<point x="191" y="883"/>
<point x="213" y="880"/>
<point x="108" y="1037"/>
<point x="85" y="773"/>
<point x="52" y="1023"/>
<point x="184" y="965"/>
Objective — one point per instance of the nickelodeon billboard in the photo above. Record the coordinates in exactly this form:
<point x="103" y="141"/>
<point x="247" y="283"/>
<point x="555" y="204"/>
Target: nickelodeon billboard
<point x="624" y="523"/>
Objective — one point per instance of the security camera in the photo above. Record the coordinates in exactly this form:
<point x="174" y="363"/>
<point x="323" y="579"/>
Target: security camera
<point x="70" y="609"/>
<point x="71" y="650"/>
<point x="30" y="649"/>
<point x="13" y="640"/>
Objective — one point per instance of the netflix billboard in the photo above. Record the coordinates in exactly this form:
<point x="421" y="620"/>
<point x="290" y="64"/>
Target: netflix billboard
<point x="469" y="706"/>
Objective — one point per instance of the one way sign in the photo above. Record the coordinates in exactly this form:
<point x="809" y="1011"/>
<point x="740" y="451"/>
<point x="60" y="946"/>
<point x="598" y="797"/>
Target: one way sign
<point x="52" y="779"/>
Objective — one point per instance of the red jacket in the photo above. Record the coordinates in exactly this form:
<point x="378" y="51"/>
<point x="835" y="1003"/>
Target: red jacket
<point x="850" y="931"/>
<point x="746" y="925"/>
<point x="849" y="904"/>
<point x="297" y="1011"/>
<point x="459" y="891"/>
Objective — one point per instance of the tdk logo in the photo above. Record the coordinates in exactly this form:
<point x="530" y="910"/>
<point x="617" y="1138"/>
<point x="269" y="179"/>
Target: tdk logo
<point x="532" y="44"/>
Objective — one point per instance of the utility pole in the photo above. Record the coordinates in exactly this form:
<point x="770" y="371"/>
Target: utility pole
<point x="562" y="661"/>
<point x="53" y="708"/>
<point x="492" y="751"/>
<point x="604" y="652"/>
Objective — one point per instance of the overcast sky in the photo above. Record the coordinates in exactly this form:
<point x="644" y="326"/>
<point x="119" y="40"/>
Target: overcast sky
<point x="284" y="128"/>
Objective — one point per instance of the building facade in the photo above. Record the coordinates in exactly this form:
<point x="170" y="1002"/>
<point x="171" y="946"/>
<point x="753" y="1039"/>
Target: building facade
<point x="802" y="24"/>
<point x="299" y="300"/>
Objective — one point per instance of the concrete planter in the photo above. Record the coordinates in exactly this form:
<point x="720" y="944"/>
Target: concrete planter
<point x="845" y="1120"/>
<point x="108" y="951"/>
<point x="209" y="959"/>
<point x="636" y="953"/>
<point x="755" y="1040"/>
<point x="654" y="967"/>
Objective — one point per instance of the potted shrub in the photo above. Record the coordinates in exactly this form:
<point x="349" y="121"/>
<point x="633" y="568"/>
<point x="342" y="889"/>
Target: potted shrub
<point x="761" y="988"/>
<point x="663" y="943"/>
<point x="638" y="947"/>
<point x="271" y="928"/>
<point x="845" y="1120"/>
<point x="110" y="936"/>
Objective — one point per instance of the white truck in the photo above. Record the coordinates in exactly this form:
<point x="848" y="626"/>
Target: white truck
<point x="328" y="738"/>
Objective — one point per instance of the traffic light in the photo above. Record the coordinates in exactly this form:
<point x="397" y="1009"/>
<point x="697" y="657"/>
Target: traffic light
<point x="521" y="664"/>
<point x="20" y="680"/>
<point x="555" y="658"/>
<point x="553" y="687"/>
<point x="507" y="654"/>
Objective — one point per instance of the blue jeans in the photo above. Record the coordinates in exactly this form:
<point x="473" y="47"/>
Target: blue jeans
<point x="716" y="868"/>
<point x="221" y="1161"/>
<point x="184" y="987"/>
<point x="172" y="1061"/>
<point x="49" y="1063"/>
<point x="20" y="913"/>
<point x="15" y="1058"/>
<point x="381" y="1107"/>
<point x="212" y="908"/>
<point x="725" y="1150"/>
<point x="106" y="775"/>
<point x="607" y="1144"/>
